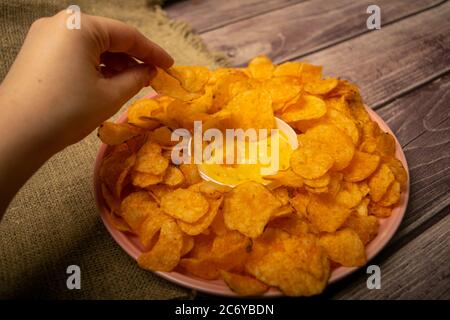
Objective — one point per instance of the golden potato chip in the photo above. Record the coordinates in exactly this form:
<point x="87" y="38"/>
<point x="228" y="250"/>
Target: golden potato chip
<point x="282" y="211"/>
<point x="139" y="113"/>
<point x="230" y="250"/>
<point x="362" y="165"/>
<point x="113" y="134"/>
<point x="261" y="67"/>
<point x="173" y="177"/>
<point x="385" y="144"/>
<point x="321" y="86"/>
<point x="296" y="264"/>
<point x="248" y="207"/>
<point x="243" y="285"/>
<point x="319" y="182"/>
<point x="162" y="136"/>
<point x="287" y="178"/>
<point x="362" y="208"/>
<point x="309" y="161"/>
<point x="349" y="195"/>
<point x="191" y="174"/>
<point x="282" y="194"/>
<point x="310" y="72"/>
<point x="218" y="225"/>
<point x="392" y="195"/>
<point x="202" y="268"/>
<point x="151" y="226"/>
<point x="157" y="191"/>
<point x="380" y="181"/>
<point x="212" y="189"/>
<point x="290" y="69"/>
<point x="112" y="202"/>
<point x="379" y="211"/>
<point x="326" y="214"/>
<point x="143" y="180"/>
<point x="245" y="116"/>
<point x="336" y="143"/>
<point x="291" y="223"/>
<point x="113" y="167"/>
<point x="185" y="205"/>
<point x="282" y="90"/>
<point x="166" y="84"/>
<point x="300" y="202"/>
<point x="188" y="244"/>
<point x="123" y="177"/>
<point x="344" y="247"/>
<point x="224" y="80"/>
<point x="166" y="253"/>
<point x="117" y="222"/>
<point x="306" y="108"/>
<point x="192" y="78"/>
<point x="397" y="169"/>
<point x="204" y="222"/>
<point x="365" y="226"/>
<point x="136" y="207"/>
<point x="150" y="160"/>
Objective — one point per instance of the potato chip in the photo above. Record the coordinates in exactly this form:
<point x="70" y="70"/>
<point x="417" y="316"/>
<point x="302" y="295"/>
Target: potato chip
<point x="336" y="143"/>
<point x="151" y="226"/>
<point x="144" y="180"/>
<point x="117" y="222"/>
<point x="296" y="265"/>
<point x="162" y="136"/>
<point x="326" y="214"/>
<point x="173" y="177"/>
<point x="349" y="195"/>
<point x="166" y="84"/>
<point x="113" y="134"/>
<point x="185" y="205"/>
<point x="188" y="244"/>
<point x="204" y="222"/>
<point x="282" y="194"/>
<point x="166" y="253"/>
<point x="248" y="207"/>
<point x="243" y="285"/>
<point x="290" y="69"/>
<point x="309" y="162"/>
<point x="191" y="174"/>
<point x="113" y="166"/>
<point x="202" y="268"/>
<point x="392" y="195"/>
<point x="300" y="202"/>
<point x="218" y="225"/>
<point x="136" y="207"/>
<point x="287" y="178"/>
<point x="230" y="250"/>
<point x="282" y="90"/>
<point x="290" y="223"/>
<point x="397" y="169"/>
<point x="212" y="190"/>
<point x="261" y="67"/>
<point x="365" y="226"/>
<point x="224" y="80"/>
<point x="139" y="113"/>
<point x="157" y="191"/>
<point x="306" y="108"/>
<point x="379" y="211"/>
<point x="344" y="247"/>
<point x="192" y="78"/>
<point x="244" y="116"/>
<point x="310" y="72"/>
<point x="380" y="181"/>
<point x="321" y="86"/>
<point x="362" y="165"/>
<point x="385" y="144"/>
<point x="282" y="211"/>
<point x="319" y="182"/>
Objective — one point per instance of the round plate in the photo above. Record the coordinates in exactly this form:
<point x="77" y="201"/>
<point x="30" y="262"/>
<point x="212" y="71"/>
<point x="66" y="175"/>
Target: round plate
<point x="131" y="244"/>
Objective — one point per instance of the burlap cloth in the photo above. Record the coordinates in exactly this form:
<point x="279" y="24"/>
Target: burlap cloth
<point x="52" y="222"/>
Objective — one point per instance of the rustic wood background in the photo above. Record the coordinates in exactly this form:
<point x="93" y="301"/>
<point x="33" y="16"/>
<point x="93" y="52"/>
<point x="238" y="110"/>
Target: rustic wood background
<point x="403" y="72"/>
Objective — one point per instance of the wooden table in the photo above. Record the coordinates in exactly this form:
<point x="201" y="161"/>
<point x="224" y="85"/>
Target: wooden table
<point x="403" y="72"/>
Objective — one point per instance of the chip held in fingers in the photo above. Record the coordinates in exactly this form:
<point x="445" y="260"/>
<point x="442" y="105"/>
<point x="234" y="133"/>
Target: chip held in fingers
<point x="244" y="203"/>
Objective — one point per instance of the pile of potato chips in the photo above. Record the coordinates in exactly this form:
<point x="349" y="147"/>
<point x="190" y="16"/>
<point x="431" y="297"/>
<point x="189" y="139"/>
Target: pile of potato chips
<point x="290" y="234"/>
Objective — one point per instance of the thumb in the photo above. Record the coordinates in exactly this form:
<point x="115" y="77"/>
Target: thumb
<point x="127" y="83"/>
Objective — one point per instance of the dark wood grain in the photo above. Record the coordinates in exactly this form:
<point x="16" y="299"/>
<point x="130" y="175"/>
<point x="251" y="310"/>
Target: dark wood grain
<point x="205" y="15"/>
<point x="394" y="60"/>
<point x="305" y="27"/>
<point x="420" y="270"/>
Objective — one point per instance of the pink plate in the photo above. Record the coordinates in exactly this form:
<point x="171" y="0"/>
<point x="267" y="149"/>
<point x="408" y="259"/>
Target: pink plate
<point x="131" y="245"/>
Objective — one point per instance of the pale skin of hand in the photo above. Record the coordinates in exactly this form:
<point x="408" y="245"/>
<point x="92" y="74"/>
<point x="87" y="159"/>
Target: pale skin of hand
<point x="62" y="85"/>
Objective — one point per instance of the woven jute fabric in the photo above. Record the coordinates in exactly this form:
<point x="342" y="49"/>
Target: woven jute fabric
<point x="52" y="222"/>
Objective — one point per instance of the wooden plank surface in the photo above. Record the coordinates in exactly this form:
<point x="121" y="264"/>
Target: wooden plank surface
<point x="305" y="27"/>
<point x="394" y="60"/>
<point x="205" y="15"/>
<point x="420" y="270"/>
